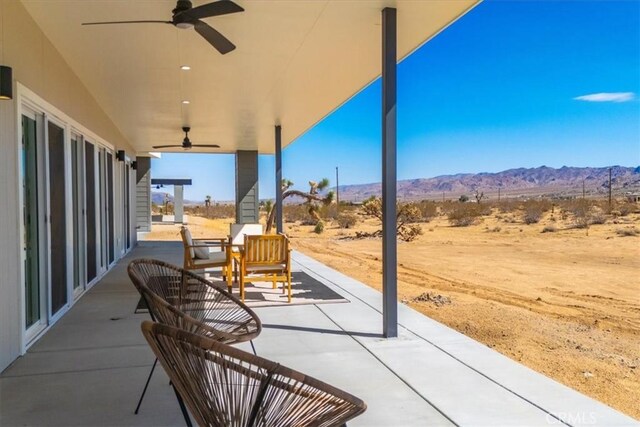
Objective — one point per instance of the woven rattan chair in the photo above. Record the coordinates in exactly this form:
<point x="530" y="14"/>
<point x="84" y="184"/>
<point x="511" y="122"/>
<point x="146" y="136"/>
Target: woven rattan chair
<point x="173" y="294"/>
<point x="224" y="386"/>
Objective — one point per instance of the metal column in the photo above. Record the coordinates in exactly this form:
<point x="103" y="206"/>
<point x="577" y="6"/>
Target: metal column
<point x="247" y="192"/>
<point x="278" y="206"/>
<point x="389" y="239"/>
<point x="178" y="208"/>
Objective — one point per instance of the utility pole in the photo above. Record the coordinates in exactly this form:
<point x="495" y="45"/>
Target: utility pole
<point x="443" y="197"/>
<point x="337" y="192"/>
<point x="498" y="193"/>
<point x="609" y="189"/>
<point x="583" y="188"/>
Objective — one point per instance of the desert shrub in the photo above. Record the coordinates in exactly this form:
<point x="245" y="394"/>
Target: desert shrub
<point x="534" y="210"/>
<point x="329" y="211"/>
<point x="446" y="207"/>
<point x="507" y="206"/>
<point x="484" y="209"/>
<point x="294" y="213"/>
<point x="428" y="210"/>
<point x="216" y="211"/>
<point x="409" y="233"/>
<point x="347" y="220"/>
<point x="464" y="214"/>
<point x="626" y="208"/>
<point x="627" y="232"/>
<point x="597" y="218"/>
<point x="407" y="215"/>
<point x="581" y="211"/>
<point x="549" y="229"/>
<point x="580" y="222"/>
<point x="319" y="228"/>
<point x="463" y="199"/>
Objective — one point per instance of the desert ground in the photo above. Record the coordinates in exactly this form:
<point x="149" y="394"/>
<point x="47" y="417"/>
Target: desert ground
<point x="564" y="303"/>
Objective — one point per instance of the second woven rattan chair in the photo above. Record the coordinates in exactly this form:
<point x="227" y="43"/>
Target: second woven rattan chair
<point x="224" y="386"/>
<point x="173" y="294"/>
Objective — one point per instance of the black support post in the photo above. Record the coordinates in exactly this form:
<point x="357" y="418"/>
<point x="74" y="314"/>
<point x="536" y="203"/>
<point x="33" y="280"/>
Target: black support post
<point x="278" y="206"/>
<point x="389" y="238"/>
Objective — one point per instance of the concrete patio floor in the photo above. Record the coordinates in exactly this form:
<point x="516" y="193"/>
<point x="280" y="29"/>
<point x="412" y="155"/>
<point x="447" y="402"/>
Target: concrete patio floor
<point x="90" y="367"/>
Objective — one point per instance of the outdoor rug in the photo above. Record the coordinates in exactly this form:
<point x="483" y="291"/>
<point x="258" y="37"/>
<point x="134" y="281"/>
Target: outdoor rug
<point x="304" y="290"/>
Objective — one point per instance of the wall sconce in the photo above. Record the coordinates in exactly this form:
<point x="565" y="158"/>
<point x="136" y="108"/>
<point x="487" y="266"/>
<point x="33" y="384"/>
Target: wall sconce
<point x="120" y="155"/>
<point x="6" y="82"/>
<point x="134" y="165"/>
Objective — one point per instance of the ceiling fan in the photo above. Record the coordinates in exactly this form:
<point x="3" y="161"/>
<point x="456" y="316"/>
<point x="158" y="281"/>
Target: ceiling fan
<point x="186" y="142"/>
<point x="185" y="16"/>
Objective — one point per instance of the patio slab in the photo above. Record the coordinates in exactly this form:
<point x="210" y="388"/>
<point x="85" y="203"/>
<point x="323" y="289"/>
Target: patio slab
<point x="90" y="367"/>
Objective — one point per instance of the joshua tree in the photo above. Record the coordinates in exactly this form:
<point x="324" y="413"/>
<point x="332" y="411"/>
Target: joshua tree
<point x="268" y="206"/>
<point x="478" y="195"/>
<point x="166" y="203"/>
<point x="207" y="203"/>
<point x="313" y="198"/>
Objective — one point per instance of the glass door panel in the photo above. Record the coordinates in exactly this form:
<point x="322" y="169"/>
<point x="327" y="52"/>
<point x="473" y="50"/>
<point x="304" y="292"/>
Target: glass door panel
<point x="103" y="208"/>
<point x="33" y="310"/>
<point x="90" y="196"/>
<point x="110" y="207"/>
<point x="127" y="213"/>
<point x="78" y="212"/>
<point x="57" y="217"/>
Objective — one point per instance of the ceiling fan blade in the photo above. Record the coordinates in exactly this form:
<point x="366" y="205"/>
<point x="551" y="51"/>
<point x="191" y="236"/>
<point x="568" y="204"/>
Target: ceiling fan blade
<point x="217" y="40"/>
<point x="127" y="22"/>
<point x="205" y="145"/>
<point x="167" y="146"/>
<point x="221" y="7"/>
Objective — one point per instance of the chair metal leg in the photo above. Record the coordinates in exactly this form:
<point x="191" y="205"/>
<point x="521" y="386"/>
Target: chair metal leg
<point x="253" y="347"/>
<point x="144" y="390"/>
<point x="183" y="408"/>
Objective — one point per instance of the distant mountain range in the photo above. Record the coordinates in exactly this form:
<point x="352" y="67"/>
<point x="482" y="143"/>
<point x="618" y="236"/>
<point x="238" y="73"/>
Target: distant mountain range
<point x="564" y="181"/>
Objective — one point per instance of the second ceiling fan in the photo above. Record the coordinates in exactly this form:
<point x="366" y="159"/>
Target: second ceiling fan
<point x="185" y="16"/>
<point x="186" y="143"/>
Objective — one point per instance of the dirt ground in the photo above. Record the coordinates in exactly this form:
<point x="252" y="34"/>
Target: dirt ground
<point x="564" y="303"/>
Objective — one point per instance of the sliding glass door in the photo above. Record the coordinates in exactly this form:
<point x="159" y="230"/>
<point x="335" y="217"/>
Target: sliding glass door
<point x="90" y="197"/>
<point x="127" y="210"/>
<point x="110" y="200"/>
<point x="34" y="308"/>
<point x="57" y="220"/>
<point x="78" y="216"/>
<point x="68" y="215"/>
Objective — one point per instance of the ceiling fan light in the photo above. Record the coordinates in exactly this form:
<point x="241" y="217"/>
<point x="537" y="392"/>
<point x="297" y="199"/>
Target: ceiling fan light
<point x="185" y="68"/>
<point x="184" y="25"/>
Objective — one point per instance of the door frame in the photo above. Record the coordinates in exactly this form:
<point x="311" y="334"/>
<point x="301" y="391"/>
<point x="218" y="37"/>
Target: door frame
<point x="28" y="102"/>
<point x="37" y="328"/>
<point x="53" y="317"/>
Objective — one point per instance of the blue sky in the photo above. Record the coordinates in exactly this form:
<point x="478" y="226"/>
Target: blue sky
<point x="511" y="84"/>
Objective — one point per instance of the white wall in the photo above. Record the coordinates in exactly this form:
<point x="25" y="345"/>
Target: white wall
<point x="39" y="67"/>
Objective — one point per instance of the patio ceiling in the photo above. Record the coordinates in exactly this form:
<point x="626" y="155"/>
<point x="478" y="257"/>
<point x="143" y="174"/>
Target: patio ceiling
<point x="295" y="62"/>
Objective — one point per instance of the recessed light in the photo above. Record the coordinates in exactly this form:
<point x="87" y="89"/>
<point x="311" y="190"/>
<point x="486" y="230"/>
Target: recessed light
<point x="185" y="102"/>
<point x="185" y="68"/>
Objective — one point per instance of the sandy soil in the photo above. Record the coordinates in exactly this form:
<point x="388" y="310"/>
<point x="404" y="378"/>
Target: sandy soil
<point x="566" y="304"/>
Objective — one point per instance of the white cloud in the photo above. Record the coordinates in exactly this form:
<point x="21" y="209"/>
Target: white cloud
<point x="607" y="97"/>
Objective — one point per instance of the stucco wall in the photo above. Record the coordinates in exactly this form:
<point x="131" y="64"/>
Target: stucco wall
<point x="38" y="66"/>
